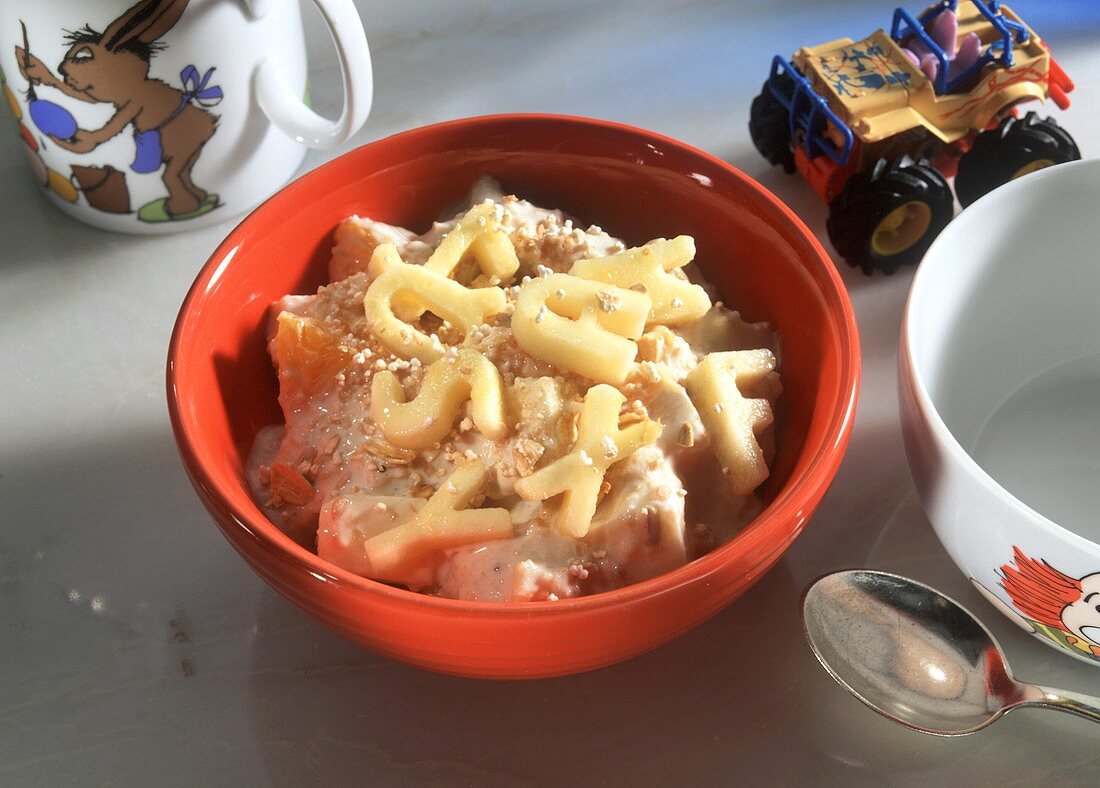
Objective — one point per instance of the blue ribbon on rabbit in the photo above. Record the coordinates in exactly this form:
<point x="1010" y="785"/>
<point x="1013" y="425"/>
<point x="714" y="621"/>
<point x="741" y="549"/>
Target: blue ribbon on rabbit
<point x="148" y="155"/>
<point x="195" y="89"/>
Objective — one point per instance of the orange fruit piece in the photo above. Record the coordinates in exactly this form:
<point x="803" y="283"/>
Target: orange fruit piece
<point x="354" y="246"/>
<point x="288" y="483"/>
<point x="308" y="357"/>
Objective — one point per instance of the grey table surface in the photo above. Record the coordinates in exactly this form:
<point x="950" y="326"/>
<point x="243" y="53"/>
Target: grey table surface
<point x="136" y="648"/>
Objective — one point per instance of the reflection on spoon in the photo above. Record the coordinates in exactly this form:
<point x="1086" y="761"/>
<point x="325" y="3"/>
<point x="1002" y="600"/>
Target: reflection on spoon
<point x="916" y="656"/>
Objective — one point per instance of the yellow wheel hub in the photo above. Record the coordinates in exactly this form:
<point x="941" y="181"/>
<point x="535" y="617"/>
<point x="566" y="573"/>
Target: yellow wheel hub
<point x="901" y="228"/>
<point x="1032" y="166"/>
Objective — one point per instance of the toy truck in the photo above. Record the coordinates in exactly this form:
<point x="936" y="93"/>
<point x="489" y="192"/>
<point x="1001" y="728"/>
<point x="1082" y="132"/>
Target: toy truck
<point x="877" y="126"/>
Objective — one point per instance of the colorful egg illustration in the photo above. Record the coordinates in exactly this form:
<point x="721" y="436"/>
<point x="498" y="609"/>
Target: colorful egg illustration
<point x="16" y="110"/>
<point x="61" y="185"/>
<point x="38" y="167"/>
<point x="28" y="138"/>
<point x="53" y="119"/>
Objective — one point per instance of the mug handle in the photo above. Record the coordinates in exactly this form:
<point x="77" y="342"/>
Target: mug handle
<point x="285" y="108"/>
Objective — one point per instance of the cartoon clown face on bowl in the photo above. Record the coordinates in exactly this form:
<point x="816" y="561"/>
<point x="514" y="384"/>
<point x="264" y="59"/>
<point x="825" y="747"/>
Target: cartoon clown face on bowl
<point x="1055" y="605"/>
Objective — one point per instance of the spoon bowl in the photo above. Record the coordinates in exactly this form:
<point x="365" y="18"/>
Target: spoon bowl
<point x="917" y="656"/>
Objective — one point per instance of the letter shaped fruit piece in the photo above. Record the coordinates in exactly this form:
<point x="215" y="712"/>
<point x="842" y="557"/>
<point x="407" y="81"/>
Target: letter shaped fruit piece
<point x="448" y="383"/>
<point x="347" y="521"/>
<point x="580" y="326"/>
<point x="443" y="522"/>
<point x="731" y="420"/>
<point x="480" y="234"/>
<point x="578" y="475"/>
<point x="416" y="286"/>
<point x="675" y="301"/>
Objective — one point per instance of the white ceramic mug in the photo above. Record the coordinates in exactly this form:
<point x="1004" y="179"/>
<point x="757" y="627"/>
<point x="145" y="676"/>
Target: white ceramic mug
<point x="154" y="116"/>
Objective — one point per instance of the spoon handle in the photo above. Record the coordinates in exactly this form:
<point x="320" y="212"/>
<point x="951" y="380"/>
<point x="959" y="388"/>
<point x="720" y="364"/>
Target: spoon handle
<point x="1087" y="706"/>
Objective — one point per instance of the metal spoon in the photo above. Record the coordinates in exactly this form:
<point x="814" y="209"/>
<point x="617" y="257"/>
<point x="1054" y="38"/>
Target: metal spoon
<point x="917" y="656"/>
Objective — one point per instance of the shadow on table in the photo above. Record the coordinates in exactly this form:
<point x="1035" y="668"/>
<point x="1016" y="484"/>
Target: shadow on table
<point x="38" y="235"/>
<point x="113" y="589"/>
<point x="358" y="714"/>
<point x="740" y="696"/>
<point x="26" y="205"/>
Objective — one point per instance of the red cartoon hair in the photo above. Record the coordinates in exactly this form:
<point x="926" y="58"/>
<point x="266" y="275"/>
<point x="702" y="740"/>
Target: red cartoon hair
<point x="1038" y="590"/>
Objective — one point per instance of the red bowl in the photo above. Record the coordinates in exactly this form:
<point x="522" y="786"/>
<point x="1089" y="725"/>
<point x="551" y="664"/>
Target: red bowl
<point x="636" y="184"/>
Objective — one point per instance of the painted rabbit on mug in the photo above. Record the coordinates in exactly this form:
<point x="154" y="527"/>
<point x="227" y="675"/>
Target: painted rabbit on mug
<point x="170" y="125"/>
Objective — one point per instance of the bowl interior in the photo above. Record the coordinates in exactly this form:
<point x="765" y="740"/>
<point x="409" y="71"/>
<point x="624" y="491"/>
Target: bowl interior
<point x="634" y="184"/>
<point x="1003" y="323"/>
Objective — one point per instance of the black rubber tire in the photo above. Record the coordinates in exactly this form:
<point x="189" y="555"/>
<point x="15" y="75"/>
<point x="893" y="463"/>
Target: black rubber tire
<point x="869" y="197"/>
<point x="770" y="126"/>
<point x="1000" y="153"/>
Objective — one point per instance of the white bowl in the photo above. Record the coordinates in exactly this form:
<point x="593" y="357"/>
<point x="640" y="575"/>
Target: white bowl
<point x="999" y="386"/>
